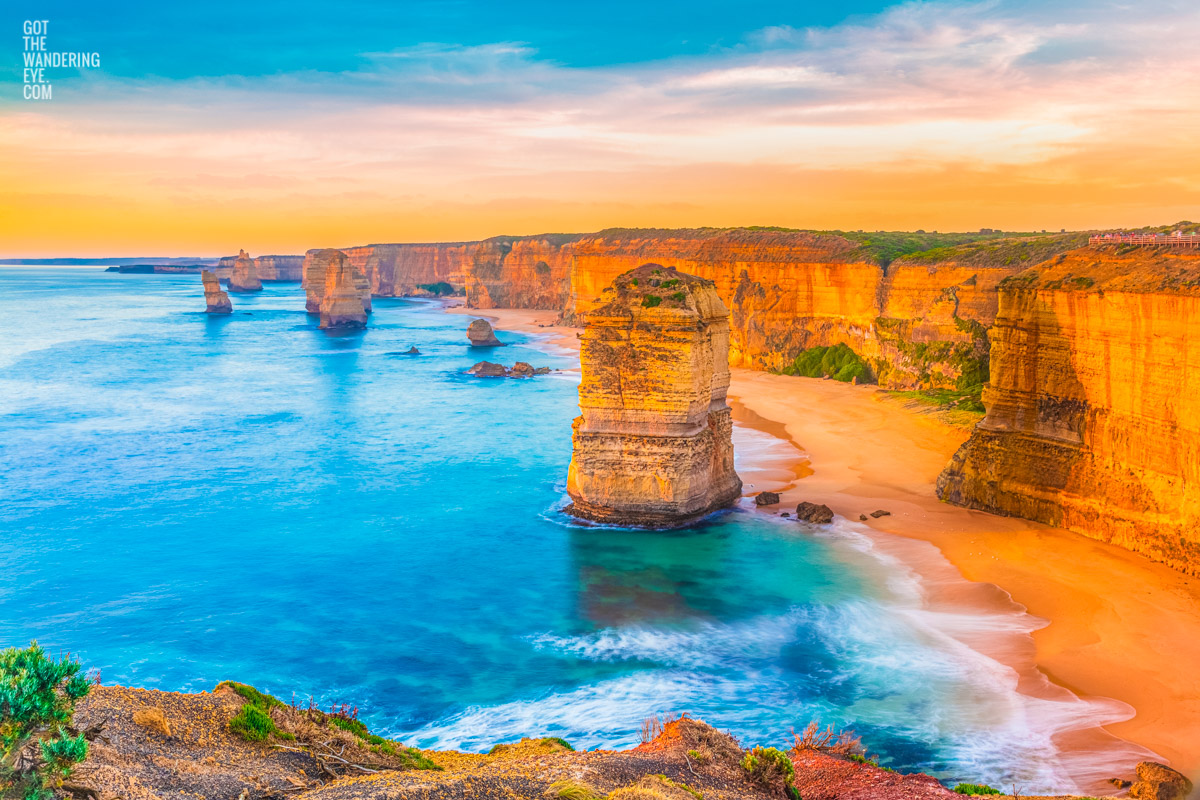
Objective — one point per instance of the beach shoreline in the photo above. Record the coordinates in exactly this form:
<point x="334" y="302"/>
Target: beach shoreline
<point x="1118" y="627"/>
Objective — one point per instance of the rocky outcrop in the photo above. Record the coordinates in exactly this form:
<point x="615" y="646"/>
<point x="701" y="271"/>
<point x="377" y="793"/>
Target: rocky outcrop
<point x="317" y="267"/>
<point x="268" y="268"/>
<point x="244" y="277"/>
<point x="817" y="514"/>
<point x="652" y="446"/>
<point x="1159" y="782"/>
<point x="488" y="369"/>
<point x="481" y="334"/>
<point x="1093" y="412"/>
<point x="215" y="297"/>
<point x="342" y="304"/>
<point x="766" y="498"/>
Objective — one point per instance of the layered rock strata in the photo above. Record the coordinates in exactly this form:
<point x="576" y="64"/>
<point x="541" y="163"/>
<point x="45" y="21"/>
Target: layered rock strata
<point x="1093" y="412"/>
<point x="214" y="296"/>
<point x="268" y="268"/>
<point x="244" y="277"/>
<point x="652" y="446"/>
<point x="318" y="265"/>
<point x="342" y="304"/>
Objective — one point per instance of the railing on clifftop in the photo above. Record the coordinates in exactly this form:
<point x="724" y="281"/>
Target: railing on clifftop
<point x="1154" y="239"/>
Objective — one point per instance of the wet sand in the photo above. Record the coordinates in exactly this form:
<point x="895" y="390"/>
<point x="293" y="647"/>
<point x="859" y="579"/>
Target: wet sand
<point x="1116" y="624"/>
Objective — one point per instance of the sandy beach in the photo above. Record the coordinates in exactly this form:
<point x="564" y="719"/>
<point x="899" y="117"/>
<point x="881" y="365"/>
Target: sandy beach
<point x="1117" y="625"/>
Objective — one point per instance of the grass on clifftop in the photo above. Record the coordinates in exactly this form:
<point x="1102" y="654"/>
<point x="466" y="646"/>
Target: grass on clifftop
<point x="976" y="789"/>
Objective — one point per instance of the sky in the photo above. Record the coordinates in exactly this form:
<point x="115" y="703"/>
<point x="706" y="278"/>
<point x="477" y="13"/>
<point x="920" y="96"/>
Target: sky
<point x="281" y="126"/>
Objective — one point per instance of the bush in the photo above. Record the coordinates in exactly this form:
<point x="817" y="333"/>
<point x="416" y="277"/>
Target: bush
<point x="38" y="747"/>
<point x="769" y="767"/>
<point x="253" y="724"/>
<point x="975" y="788"/>
<point x="651" y="300"/>
<point x="441" y="288"/>
<point x="838" y="362"/>
<point x="679" y="297"/>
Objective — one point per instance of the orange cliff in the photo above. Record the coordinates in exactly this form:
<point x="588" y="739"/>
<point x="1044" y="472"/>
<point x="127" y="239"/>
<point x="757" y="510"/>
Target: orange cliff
<point x="323" y="272"/>
<point x="652" y="446"/>
<point x="1093" y="420"/>
<point x="267" y="268"/>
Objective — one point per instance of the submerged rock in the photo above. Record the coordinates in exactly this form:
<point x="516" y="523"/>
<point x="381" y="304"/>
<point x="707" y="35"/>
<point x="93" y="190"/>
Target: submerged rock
<point x="817" y="514"/>
<point x="216" y="298"/>
<point x="766" y="498"/>
<point x="244" y="277"/>
<point x="652" y="446"/>
<point x="487" y="369"/>
<point x="342" y="306"/>
<point x="481" y="334"/>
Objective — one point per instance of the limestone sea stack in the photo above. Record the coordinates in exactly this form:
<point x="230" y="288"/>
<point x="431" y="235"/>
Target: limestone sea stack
<point x="244" y="277"/>
<point x="214" y="295"/>
<point x="317" y="265"/>
<point x="652" y="447"/>
<point x="342" y="305"/>
<point x="481" y="334"/>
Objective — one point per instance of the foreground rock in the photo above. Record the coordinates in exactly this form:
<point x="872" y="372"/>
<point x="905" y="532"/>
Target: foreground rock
<point x="173" y="746"/>
<point x="342" y="305"/>
<point x="817" y="514"/>
<point x="215" y="297"/>
<point x="766" y="498"/>
<point x="1159" y="782"/>
<point x="244" y="277"/>
<point x="652" y="446"/>
<point x="481" y="334"/>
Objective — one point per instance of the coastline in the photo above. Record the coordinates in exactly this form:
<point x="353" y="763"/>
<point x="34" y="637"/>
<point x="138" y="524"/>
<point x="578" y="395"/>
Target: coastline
<point x="862" y="451"/>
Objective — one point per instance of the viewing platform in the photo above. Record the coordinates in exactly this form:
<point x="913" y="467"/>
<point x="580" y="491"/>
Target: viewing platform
<point x="1177" y="239"/>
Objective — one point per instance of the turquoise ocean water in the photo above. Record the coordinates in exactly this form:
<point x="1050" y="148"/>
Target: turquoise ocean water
<point x="186" y="499"/>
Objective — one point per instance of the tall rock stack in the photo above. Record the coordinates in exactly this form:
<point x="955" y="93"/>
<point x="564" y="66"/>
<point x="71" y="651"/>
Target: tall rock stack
<point x="652" y="447"/>
<point x="341" y="305"/>
<point x="244" y="277"/>
<point x="214" y="295"/>
<point x="317" y="266"/>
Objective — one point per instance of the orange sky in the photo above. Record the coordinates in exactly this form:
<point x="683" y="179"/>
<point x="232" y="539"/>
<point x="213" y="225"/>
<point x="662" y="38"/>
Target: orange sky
<point x="966" y="123"/>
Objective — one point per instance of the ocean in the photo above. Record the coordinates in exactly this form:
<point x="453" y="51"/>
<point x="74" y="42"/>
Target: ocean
<point x="186" y="499"/>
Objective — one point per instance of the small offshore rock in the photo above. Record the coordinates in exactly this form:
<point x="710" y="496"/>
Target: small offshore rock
<point x="880" y="513"/>
<point x="1159" y="782"/>
<point x="784" y="514"/>
<point x="818" y="514"/>
<point x="412" y="351"/>
<point x="521" y="370"/>
<point x="766" y="498"/>
<point x="542" y="371"/>
<point x="481" y="334"/>
<point x="486" y="369"/>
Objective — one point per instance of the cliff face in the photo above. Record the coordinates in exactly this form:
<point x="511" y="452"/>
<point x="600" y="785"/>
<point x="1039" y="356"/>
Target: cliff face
<point x="268" y="268"/>
<point x="214" y="296"/>
<point x="652" y="446"/>
<point x="1093" y="420"/>
<point x="920" y="325"/>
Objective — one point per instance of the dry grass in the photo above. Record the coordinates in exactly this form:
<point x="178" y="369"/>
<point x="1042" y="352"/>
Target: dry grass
<point x="152" y="718"/>
<point x="827" y="740"/>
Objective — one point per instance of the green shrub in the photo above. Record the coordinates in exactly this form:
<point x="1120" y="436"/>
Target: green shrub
<point x="670" y="284"/>
<point x="975" y="788"/>
<point x="838" y="362"/>
<point x="651" y="300"/>
<point x="252" y="695"/>
<point x="679" y="297"/>
<point x="253" y="723"/>
<point x="37" y="702"/>
<point x="355" y="727"/>
<point x="561" y="742"/>
<point x="769" y="767"/>
<point x="441" y="288"/>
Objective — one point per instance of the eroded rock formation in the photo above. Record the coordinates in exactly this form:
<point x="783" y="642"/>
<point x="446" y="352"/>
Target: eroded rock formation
<point x="481" y="334"/>
<point x="652" y="446"/>
<point x="318" y="264"/>
<point x="1093" y="412"/>
<point x="214" y="296"/>
<point x="244" y="277"/>
<point x="268" y="268"/>
<point x="341" y="304"/>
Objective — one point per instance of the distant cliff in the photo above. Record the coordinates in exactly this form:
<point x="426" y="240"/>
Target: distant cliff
<point x="268" y="268"/>
<point x="1093" y="411"/>
<point x="915" y="306"/>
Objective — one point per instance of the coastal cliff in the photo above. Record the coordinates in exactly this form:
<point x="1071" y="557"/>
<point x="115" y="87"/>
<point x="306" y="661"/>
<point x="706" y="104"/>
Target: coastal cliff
<point x="323" y="271"/>
<point x="1093" y="411"/>
<point x="342" y="305"/>
<point x="244" y="277"/>
<point x="652" y="446"/>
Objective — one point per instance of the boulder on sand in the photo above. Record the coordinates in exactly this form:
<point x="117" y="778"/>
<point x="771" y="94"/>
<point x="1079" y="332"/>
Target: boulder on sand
<point x="481" y="334"/>
<point x="766" y="498"/>
<point x="1159" y="782"/>
<point x="817" y="514"/>
<point x="880" y="513"/>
